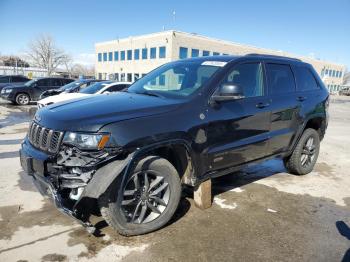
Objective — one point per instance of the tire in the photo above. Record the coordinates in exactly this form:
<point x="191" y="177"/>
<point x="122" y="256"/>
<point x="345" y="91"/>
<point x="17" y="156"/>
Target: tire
<point x="304" y="156"/>
<point x="119" y="203"/>
<point x="22" y="99"/>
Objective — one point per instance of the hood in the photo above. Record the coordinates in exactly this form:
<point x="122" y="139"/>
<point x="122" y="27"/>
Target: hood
<point x="60" y="98"/>
<point x="90" y="113"/>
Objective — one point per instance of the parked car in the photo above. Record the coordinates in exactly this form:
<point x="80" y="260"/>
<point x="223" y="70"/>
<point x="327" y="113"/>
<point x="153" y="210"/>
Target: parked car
<point x="183" y="123"/>
<point x="345" y="91"/>
<point x="95" y="89"/>
<point x="31" y="90"/>
<point x="72" y="87"/>
<point x="6" y="80"/>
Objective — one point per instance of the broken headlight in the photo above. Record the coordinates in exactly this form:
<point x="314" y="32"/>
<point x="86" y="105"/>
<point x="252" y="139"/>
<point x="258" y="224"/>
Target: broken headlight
<point x="86" y="141"/>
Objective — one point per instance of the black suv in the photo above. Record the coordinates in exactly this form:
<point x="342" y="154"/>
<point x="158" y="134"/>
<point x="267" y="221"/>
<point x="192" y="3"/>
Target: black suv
<point x="12" y="80"/>
<point x="185" y="122"/>
<point x="31" y="90"/>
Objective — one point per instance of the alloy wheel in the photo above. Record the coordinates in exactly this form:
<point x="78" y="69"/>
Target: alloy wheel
<point x="23" y="99"/>
<point x="308" y="152"/>
<point x="145" y="197"/>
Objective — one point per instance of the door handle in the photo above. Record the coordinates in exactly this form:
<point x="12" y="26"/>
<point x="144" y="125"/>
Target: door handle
<point x="262" y="105"/>
<point x="301" y="98"/>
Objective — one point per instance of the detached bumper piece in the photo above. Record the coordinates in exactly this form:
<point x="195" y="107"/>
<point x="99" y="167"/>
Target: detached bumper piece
<point x="46" y="188"/>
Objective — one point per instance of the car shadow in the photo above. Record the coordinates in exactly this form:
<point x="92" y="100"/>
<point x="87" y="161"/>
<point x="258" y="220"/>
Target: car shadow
<point x="247" y="175"/>
<point x="344" y="230"/>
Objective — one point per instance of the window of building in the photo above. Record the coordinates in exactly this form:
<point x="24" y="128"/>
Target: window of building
<point x="110" y="56"/>
<point x="330" y="73"/>
<point x="183" y="52"/>
<point x="129" y="77"/>
<point x="280" y="79"/>
<point x="305" y="79"/>
<point x="194" y="53"/>
<point x="104" y="57"/>
<point x="224" y="54"/>
<point x="144" y="53"/>
<point x="136" y="54"/>
<point x="129" y="54"/>
<point x="100" y="76"/>
<point x="122" y="77"/>
<point x="116" y="76"/>
<point x="162" y="52"/>
<point x="122" y="55"/>
<point x="326" y="72"/>
<point x="333" y="75"/>
<point x="340" y="74"/>
<point x="153" y="54"/>
<point x="216" y="53"/>
<point x="99" y="56"/>
<point x="249" y="76"/>
<point x="136" y="77"/>
<point x="206" y="53"/>
<point x="162" y="80"/>
<point x="322" y="72"/>
<point x="116" y="56"/>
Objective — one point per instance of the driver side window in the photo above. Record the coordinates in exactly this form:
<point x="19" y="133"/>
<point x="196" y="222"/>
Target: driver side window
<point x="249" y="76"/>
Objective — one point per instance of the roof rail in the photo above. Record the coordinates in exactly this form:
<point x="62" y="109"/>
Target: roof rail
<point x="274" y="56"/>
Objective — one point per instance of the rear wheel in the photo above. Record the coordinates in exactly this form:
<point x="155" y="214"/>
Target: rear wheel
<point x="304" y="156"/>
<point x="146" y="202"/>
<point x="22" y="99"/>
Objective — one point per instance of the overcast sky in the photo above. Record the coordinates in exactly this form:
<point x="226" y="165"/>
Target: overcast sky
<point x="315" y="28"/>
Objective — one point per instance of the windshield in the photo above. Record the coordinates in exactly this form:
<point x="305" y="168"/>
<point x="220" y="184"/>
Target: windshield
<point x="178" y="79"/>
<point x="29" y="83"/>
<point x="70" y="86"/>
<point x="95" y="87"/>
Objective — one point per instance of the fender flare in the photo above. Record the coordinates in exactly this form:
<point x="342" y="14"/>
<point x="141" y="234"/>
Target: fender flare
<point x="105" y="175"/>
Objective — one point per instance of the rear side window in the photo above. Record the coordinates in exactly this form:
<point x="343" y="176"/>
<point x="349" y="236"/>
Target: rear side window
<point x="56" y="82"/>
<point x="280" y="79"/>
<point x="19" y="79"/>
<point x="305" y="79"/>
<point x="43" y="82"/>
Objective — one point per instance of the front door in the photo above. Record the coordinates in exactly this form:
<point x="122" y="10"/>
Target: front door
<point x="238" y="129"/>
<point x="41" y="86"/>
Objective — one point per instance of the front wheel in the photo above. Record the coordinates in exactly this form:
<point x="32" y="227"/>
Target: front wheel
<point x="22" y="99"/>
<point x="304" y="156"/>
<point x="147" y="200"/>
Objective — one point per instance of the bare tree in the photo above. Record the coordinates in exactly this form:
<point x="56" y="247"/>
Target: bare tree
<point x="45" y="54"/>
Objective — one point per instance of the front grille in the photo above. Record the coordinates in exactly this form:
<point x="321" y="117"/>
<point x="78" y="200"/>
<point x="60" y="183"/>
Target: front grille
<point x="44" y="138"/>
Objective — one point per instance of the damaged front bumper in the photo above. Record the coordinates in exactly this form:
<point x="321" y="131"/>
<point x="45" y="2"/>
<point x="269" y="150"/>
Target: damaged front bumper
<point x="72" y="176"/>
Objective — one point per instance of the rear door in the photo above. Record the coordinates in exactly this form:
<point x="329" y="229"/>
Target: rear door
<point x="42" y="85"/>
<point x="238" y="129"/>
<point x="284" y="106"/>
<point x="56" y="83"/>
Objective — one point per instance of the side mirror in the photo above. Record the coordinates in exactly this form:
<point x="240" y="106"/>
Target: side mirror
<point x="227" y="92"/>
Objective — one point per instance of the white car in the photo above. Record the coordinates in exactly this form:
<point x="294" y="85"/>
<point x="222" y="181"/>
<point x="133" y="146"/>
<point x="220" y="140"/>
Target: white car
<point x="97" y="88"/>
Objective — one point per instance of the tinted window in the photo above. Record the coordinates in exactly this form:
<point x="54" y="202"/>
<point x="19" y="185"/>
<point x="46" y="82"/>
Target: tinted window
<point x="43" y="82"/>
<point x="122" y="55"/>
<point x="183" y="52"/>
<point x="19" y="79"/>
<point x="305" y="79"/>
<point x="162" y="52"/>
<point x="4" y="79"/>
<point x="116" y="55"/>
<point x="144" y="53"/>
<point x="195" y="53"/>
<point x="56" y="82"/>
<point x="99" y="57"/>
<point x="249" y="76"/>
<point x="216" y="53"/>
<point x="104" y="56"/>
<point x="129" y="54"/>
<point x="280" y="78"/>
<point x="116" y="88"/>
<point x="153" y="54"/>
<point x="137" y="54"/>
<point x="206" y="53"/>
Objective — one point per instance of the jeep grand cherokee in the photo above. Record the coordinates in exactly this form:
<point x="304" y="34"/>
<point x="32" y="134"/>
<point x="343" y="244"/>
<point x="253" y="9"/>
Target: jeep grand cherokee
<point x="187" y="121"/>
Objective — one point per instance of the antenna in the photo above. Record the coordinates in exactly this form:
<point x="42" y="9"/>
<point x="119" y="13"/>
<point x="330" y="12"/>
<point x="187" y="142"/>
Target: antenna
<point x="174" y="18"/>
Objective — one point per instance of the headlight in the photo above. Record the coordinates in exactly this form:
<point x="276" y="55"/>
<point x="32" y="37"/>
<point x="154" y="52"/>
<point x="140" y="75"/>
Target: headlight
<point x="6" y="90"/>
<point x="86" y="141"/>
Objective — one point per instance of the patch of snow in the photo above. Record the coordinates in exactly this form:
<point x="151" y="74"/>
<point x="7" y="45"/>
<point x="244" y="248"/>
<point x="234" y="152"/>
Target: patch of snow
<point x="220" y="202"/>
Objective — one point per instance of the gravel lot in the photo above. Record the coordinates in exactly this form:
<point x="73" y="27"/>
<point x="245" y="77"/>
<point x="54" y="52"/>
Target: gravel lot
<point x="259" y="214"/>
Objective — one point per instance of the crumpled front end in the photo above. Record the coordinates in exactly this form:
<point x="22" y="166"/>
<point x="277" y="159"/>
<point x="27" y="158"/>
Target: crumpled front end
<point x="71" y="177"/>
